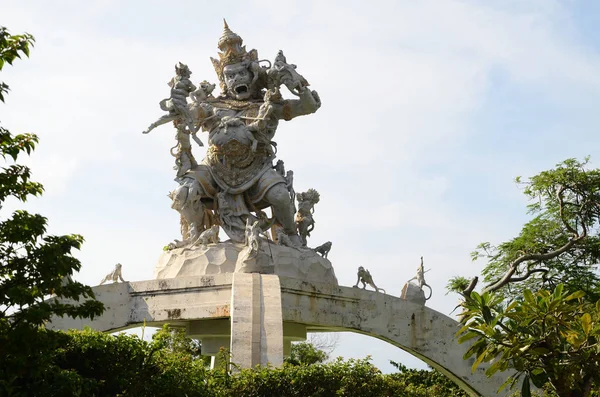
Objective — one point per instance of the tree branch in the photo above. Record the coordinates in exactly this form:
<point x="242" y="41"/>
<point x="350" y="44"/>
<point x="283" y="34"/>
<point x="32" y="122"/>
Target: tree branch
<point x="526" y="276"/>
<point x="561" y="211"/>
<point x="532" y="257"/>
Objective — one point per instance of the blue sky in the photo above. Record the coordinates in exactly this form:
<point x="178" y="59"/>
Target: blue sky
<point x="430" y="109"/>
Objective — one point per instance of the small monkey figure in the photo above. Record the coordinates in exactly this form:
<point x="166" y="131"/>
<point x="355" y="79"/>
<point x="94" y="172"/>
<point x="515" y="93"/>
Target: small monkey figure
<point x="114" y="276"/>
<point x="364" y="276"/>
<point x="324" y="249"/>
<point x="420" y="278"/>
<point x="210" y="235"/>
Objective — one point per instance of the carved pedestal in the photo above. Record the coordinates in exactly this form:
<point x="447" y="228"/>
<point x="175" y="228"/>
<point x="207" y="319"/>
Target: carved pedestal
<point x="299" y="263"/>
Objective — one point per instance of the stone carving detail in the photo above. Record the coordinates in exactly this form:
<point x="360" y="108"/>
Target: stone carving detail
<point x="304" y="216"/>
<point x="420" y="279"/>
<point x="282" y="238"/>
<point x="180" y="113"/>
<point x="364" y="277"/>
<point x="236" y="180"/>
<point x="209" y="236"/>
<point x="114" y="276"/>
<point x="284" y="73"/>
<point x="203" y="92"/>
<point x="252" y="237"/>
<point x="324" y="249"/>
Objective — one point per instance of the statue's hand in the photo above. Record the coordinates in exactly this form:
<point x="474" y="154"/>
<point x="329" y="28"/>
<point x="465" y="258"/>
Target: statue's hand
<point x="310" y="100"/>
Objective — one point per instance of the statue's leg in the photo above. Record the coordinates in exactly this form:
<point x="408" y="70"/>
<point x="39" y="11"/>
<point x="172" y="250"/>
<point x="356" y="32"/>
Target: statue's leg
<point x="186" y="200"/>
<point x="164" y="119"/>
<point x="279" y="198"/>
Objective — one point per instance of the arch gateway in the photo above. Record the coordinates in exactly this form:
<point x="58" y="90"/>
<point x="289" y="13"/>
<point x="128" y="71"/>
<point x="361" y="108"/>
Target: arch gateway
<point x="265" y="286"/>
<point x="257" y="316"/>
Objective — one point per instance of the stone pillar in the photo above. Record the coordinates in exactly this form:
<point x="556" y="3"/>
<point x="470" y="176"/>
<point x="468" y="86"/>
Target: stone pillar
<point x="256" y="320"/>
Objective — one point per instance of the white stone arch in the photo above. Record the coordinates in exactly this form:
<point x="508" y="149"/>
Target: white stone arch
<point x="210" y="306"/>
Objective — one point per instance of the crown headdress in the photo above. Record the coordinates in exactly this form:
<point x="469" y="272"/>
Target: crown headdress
<point x="232" y="51"/>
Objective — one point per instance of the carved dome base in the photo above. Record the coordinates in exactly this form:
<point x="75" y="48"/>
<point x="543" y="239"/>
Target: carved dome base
<point x="228" y="257"/>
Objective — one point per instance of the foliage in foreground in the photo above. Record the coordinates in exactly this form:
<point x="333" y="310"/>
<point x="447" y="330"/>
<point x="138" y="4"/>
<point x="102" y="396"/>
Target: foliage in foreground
<point x="91" y="363"/>
<point x="33" y="265"/>
<point x="546" y="338"/>
<point x="538" y="316"/>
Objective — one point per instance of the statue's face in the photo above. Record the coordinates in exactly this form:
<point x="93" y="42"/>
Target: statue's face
<point x="238" y="80"/>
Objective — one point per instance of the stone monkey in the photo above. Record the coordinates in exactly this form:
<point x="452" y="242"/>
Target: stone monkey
<point x="364" y="276"/>
<point x="114" y="276"/>
<point x="324" y="249"/>
<point x="420" y="279"/>
<point x="208" y="236"/>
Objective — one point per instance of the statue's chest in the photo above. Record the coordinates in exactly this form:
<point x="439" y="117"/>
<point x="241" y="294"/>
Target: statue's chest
<point x="223" y="135"/>
<point x="224" y="132"/>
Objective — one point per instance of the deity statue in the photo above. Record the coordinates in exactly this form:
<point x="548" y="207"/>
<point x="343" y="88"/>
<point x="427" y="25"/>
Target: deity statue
<point x="237" y="177"/>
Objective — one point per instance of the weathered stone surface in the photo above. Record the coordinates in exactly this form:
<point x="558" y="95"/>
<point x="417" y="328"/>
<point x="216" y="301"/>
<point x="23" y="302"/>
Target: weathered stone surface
<point x="256" y="320"/>
<point x="413" y="293"/>
<point x="300" y="263"/>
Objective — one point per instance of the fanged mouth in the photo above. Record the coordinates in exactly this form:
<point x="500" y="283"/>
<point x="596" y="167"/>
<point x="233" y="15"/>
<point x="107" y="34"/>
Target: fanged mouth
<point x="240" y="89"/>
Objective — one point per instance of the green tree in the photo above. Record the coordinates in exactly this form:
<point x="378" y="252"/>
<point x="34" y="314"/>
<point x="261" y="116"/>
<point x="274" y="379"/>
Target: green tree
<point x="33" y="265"/>
<point x="305" y="353"/>
<point x="560" y="245"/>
<point x="546" y="338"/>
<point x="537" y="314"/>
<point x="176" y="341"/>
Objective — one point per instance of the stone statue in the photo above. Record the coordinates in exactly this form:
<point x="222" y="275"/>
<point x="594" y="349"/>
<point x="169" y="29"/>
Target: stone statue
<point x="365" y="278"/>
<point x="114" y="276"/>
<point x="253" y="237"/>
<point x="261" y="128"/>
<point x="284" y="73"/>
<point x="203" y="92"/>
<point x="289" y="181"/>
<point x="304" y="218"/>
<point x="324" y="249"/>
<point x="280" y="167"/>
<point x="241" y="124"/>
<point x="180" y="114"/>
<point x="176" y="104"/>
<point x="282" y="238"/>
<point x="420" y="279"/>
<point x="208" y="236"/>
<point x="228" y="217"/>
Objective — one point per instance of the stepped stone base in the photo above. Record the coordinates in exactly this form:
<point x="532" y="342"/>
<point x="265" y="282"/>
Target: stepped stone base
<point x="227" y="257"/>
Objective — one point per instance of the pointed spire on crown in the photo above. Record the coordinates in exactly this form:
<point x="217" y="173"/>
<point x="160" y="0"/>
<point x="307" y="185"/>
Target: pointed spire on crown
<point x="232" y="51"/>
<point x="229" y="40"/>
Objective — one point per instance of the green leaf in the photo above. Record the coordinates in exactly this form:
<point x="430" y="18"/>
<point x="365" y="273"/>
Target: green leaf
<point x="478" y="361"/>
<point x="586" y="323"/>
<point x="525" y="388"/>
<point x="467" y="336"/>
<point x="529" y="297"/>
<point x="558" y="291"/>
<point x="493" y="368"/>
<point x="575" y="295"/>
